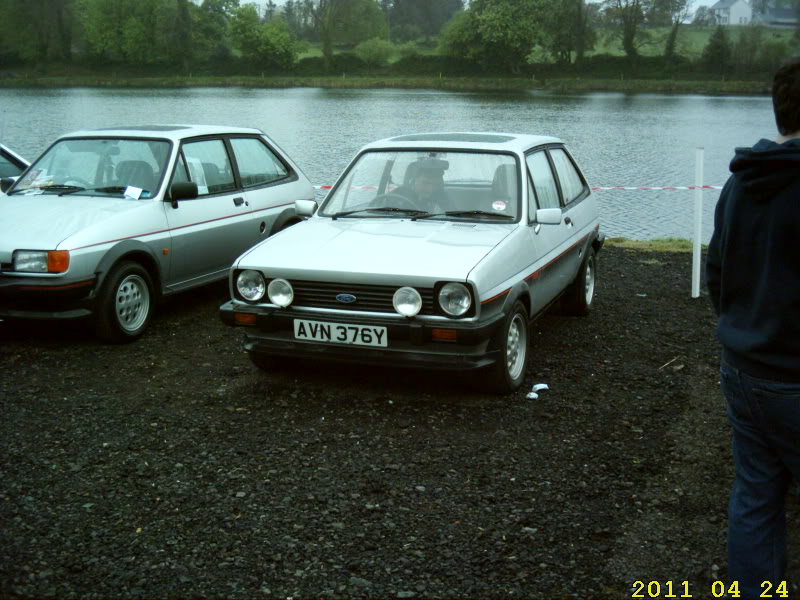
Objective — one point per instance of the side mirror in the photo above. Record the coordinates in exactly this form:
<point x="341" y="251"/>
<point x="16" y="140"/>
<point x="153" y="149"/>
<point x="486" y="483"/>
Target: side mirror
<point x="549" y="216"/>
<point x="6" y="183"/>
<point x="181" y="191"/>
<point x="305" y="208"/>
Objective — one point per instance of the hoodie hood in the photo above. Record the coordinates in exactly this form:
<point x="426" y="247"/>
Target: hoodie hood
<point x="768" y="167"/>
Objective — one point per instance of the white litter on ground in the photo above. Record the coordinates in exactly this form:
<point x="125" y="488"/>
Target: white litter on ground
<point x="537" y="388"/>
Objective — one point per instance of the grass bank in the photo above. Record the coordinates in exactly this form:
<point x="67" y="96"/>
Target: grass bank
<point x="645" y="86"/>
<point x="655" y="245"/>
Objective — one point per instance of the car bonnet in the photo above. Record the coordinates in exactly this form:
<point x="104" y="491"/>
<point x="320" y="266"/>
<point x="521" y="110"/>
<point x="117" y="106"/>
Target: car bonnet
<point x="377" y="250"/>
<point x="42" y="222"/>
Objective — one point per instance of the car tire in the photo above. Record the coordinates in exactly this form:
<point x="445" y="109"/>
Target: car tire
<point x="125" y="303"/>
<point x="507" y="374"/>
<point x="579" y="295"/>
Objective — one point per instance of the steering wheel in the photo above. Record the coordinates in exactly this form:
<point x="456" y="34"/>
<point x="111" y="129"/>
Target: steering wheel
<point x="391" y="199"/>
<point x="77" y="182"/>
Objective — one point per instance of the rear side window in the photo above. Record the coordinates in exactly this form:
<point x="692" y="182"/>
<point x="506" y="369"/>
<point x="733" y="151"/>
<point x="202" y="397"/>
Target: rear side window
<point x="207" y="165"/>
<point x="257" y="164"/>
<point x="572" y="185"/>
<point x="543" y="181"/>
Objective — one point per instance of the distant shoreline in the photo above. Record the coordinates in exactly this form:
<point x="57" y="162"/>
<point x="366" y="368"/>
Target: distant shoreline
<point x="571" y="85"/>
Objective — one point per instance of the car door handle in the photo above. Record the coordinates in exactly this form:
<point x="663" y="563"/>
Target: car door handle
<point x="238" y="201"/>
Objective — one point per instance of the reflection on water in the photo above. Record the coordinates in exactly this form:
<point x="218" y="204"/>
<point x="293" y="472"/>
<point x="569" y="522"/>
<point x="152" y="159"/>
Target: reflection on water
<point x="618" y="139"/>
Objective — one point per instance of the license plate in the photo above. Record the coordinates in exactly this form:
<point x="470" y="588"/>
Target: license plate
<point x="339" y="333"/>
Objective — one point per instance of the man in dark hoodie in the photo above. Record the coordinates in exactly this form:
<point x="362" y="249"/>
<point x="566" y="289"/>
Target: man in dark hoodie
<point x="753" y="274"/>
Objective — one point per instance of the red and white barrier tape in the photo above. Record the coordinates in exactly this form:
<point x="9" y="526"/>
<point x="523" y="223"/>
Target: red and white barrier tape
<point x="668" y="187"/>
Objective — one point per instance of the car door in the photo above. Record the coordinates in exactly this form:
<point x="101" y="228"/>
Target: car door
<point x="208" y="232"/>
<point x="270" y="186"/>
<point x="580" y="217"/>
<point x="550" y="243"/>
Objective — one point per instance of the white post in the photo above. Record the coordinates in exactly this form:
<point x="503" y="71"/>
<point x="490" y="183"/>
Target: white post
<point x="698" y="221"/>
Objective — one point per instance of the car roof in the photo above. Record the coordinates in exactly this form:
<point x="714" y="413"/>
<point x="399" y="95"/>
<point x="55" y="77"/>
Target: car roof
<point x="492" y="141"/>
<point x="171" y="132"/>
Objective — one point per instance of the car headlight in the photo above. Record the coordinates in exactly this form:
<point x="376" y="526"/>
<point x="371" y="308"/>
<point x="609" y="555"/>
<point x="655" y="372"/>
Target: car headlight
<point x="251" y="285"/>
<point x="280" y="292"/>
<point x="455" y="299"/>
<point x="41" y="261"/>
<point x="407" y="301"/>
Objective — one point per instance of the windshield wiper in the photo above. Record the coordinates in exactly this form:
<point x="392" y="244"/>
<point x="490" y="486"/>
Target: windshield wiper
<point x="463" y="213"/>
<point x="110" y="189"/>
<point x="50" y="188"/>
<point x="385" y="209"/>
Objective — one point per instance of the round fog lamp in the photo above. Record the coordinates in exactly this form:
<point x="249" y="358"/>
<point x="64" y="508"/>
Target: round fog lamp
<point x="407" y="301"/>
<point x="280" y="292"/>
<point x="454" y="299"/>
<point x="251" y="285"/>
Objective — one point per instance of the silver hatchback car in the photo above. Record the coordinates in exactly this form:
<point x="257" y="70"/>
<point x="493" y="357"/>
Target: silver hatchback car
<point x="432" y="250"/>
<point x="108" y="221"/>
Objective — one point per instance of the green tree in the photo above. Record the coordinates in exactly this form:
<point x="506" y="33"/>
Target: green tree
<point x="291" y="16"/>
<point x="629" y="15"/>
<point x="212" y="36"/>
<point x="270" y="45"/>
<point x="703" y="17"/>
<point x="566" y="30"/>
<point x="412" y="19"/>
<point x="717" y="53"/>
<point x="376" y="52"/>
<point x="137" y="31"/>
<point x="245" y="30"/>
<point x="181" y="45"/>
<point x="746" y="49"/>
<point x="269" y="10"/>
<point x="498" y="33"/>
<point x="675" y="12"/>
<point x="345" y="21"/>
<point x="37" y="30"/>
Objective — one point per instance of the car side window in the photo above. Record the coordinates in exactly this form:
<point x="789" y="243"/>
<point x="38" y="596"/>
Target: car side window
<point x="543" y="181"/>
<point x="208" y="166"/>
<point x="257" y="164"/>
<point x="571" y="183"/>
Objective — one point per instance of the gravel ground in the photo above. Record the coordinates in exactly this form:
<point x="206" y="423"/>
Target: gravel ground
<point x="173" y="468"/>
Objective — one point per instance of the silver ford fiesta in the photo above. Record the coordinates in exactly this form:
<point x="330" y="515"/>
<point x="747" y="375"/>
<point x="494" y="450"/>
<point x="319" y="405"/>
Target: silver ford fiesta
<point x="433" y="250"/>
<point x="106" y="222"/>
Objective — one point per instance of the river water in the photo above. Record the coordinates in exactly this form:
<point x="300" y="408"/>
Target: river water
<point x="618" y="139"/>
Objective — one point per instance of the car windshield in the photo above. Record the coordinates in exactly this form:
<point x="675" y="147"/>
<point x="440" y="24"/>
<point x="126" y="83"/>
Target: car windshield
<point x="115" y="167"/>
<point x="428" y="184"/>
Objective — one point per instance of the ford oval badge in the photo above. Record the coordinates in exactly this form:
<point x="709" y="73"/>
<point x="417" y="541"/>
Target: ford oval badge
<point x="346" y="298"/>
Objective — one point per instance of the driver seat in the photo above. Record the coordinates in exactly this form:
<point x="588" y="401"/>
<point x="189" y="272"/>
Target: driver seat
<point x="504" y="183"/>
<point x="135" y="173"/>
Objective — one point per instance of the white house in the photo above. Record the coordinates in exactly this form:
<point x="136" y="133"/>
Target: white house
<point x="732" y="12"/>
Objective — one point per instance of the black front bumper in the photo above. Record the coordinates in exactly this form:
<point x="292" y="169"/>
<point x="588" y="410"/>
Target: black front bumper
<point x="410" y="341"/>
<point x="40" y="298"/>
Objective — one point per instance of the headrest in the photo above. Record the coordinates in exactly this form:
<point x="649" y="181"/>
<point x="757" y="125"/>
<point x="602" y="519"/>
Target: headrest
<point x="504" y="184"/>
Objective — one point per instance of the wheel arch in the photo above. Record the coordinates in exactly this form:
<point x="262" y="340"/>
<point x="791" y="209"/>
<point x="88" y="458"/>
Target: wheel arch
<point x="286" y="218"/>
<point x="522" y="292"/>
<point x="135" y="251"/>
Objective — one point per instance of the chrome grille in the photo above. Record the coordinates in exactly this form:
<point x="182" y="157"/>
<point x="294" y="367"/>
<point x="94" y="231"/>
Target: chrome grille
<point x="369" y="298"/>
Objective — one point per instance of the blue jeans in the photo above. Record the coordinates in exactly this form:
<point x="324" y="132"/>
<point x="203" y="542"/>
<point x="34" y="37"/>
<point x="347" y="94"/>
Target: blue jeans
<point x="765" y="416"/>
